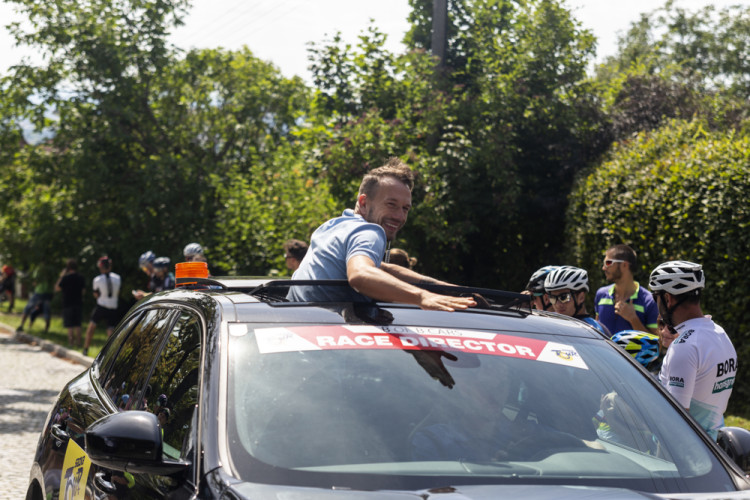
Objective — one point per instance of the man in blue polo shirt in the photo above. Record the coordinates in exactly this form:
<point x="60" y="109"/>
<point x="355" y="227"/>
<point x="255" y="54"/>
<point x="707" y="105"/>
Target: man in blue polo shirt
<point x="624" y="305"/>
<point x="352" y="247"/>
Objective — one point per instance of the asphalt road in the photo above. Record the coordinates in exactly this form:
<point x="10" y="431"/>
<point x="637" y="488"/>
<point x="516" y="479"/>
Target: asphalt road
<point x="30" y="380"/>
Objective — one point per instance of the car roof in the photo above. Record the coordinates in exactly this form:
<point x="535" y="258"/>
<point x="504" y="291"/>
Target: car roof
<point x="262" y="300"/>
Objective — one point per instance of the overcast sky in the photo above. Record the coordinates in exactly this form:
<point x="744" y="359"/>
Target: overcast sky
<point x="279" y="30"/>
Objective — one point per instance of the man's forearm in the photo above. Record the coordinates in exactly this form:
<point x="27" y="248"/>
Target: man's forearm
<point x="405" y="274"/>
<point x="379" y="284"/>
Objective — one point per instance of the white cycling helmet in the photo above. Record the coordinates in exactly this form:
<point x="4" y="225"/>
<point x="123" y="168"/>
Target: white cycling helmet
<point x="677" y="277"/>
<point x="572" y="278"/>
<point x="146" y="258"/>
<point x="536" y="282"/>
<point x="192" y="249"/>
<point x="161" y="262"/>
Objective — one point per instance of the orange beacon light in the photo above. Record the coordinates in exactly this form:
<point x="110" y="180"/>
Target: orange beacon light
<point x="185" y="270"/>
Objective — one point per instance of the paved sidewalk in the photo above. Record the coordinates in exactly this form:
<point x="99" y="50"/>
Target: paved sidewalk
<point x="30" y="382"/>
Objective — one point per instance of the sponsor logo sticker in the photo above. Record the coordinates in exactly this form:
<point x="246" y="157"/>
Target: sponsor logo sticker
<point x="333" y="337"/>
<point x="75" y="472"/>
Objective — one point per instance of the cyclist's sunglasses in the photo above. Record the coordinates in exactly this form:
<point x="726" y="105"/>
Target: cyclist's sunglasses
<point x="609" y="262"/>
<point x="564" y="298"/>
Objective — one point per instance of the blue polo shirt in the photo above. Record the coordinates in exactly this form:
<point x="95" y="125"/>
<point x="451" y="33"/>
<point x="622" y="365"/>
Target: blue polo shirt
<point x="331" y="247"/>
<point x="643" y="303"/>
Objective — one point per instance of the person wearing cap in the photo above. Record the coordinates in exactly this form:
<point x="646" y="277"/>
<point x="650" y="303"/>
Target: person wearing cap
<point x="535" y="288"/>
<point x="162" y="278"/>
<point x="106" y="288"/>
<point x="566" y="287"/>
<point x="700" y="366"/>
<point x="351" y="247"/>
<point x="146" y="264"/>
<point x="624" y="305"/>
<point x="191" y="251"/>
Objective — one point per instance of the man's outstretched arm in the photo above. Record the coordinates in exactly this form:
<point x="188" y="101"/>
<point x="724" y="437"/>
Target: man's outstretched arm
<point x="378" y="284"/>
<point x="406" y="274"/>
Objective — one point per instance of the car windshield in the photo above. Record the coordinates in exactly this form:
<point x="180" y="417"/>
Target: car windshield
<point x="408" y="407"/>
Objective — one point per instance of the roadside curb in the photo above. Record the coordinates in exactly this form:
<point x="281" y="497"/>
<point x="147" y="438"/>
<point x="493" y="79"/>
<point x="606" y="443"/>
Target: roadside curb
<point x="46" y="345"/>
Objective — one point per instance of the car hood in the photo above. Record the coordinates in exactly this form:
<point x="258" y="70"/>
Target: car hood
<point x="478" y="492"/>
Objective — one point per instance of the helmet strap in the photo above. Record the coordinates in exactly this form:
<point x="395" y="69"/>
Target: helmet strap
<point x="670" y="311"/>
<point x="578" y="306"/>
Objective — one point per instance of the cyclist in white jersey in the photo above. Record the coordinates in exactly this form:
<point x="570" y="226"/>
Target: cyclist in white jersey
<point x="700" y="366"/>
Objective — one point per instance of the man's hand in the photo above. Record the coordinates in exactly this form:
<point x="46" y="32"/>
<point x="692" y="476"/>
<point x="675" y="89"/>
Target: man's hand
<point x="626" y="310"/>
<point x="434" y="302"/>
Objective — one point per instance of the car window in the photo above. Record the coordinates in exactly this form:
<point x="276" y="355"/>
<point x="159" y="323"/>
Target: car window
<point x="135" y="358"/>
<point x="333" y="404"/>
<point x="108" y="355"/>
<point x="173" y="386"/>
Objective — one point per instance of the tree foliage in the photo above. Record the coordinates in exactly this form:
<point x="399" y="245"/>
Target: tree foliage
<point x="708" y="46"/>
<point x="496" y="136"/>
<point x="674" y="63"/>
<point x="142" y="142"/>
<point x="679" y="192"/>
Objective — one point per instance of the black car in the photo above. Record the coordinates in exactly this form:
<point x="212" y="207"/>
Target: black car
<point x="224" y="389"/>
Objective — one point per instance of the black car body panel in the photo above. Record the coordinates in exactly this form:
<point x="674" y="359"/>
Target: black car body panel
<point x="179" y="350"/>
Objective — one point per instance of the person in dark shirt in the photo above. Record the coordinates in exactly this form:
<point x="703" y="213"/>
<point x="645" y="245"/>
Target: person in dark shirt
<point x="72" y="285"/>
<point x="162" y="278"/>
<point x="8" y="286"/>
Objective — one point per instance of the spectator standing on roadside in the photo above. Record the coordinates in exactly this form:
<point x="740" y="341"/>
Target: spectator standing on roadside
<point x="146" y="264"/>
<point x="72" y="285"/>
<point x="41" y="300"/>
<point x="624" y="305"/>
<point x="162" y="279"/>
<point x="701" y="364"/>
<point x="294" y="252"/>
<point x="567" y="287"/>
<point x="191" y="251"/>
<point x="106" y="289"/>
<point x="352" y="247"/>
<point x="401" y="258"/>
<point x="535" y="288"/>
<point x="8" y="286"/>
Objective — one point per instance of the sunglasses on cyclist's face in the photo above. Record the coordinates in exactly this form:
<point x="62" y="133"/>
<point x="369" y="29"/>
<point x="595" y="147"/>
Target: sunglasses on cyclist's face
<point x="564" y="298"/>
<point x="609" y="262"/>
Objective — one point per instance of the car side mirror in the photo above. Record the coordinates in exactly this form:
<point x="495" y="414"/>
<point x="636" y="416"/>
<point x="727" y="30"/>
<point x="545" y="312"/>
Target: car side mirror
<point x="130" y="441"/>
<point x="735" y="441"/>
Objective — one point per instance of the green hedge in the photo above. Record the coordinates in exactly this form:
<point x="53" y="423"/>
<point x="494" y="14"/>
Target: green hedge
<point x="679" y="192"/>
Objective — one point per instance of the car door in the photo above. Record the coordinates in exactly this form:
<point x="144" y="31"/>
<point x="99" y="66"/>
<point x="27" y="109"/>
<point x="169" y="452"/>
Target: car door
<point x="120" y="374"/>
<point x="61" y="457"/>
<point x="173" y="389"/>
<point x="165" y="384"/>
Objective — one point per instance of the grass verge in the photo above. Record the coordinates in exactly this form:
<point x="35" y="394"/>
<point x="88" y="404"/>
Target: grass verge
<point x="57" y="333"/>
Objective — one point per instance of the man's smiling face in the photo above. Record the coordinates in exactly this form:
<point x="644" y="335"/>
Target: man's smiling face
<point x="388" y="206"/>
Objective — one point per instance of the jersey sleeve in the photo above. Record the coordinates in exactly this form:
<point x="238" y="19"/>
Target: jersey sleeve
<point x="683" y="368"/>
<point x="368" y="240"/>
<point x="651" y="313"/>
